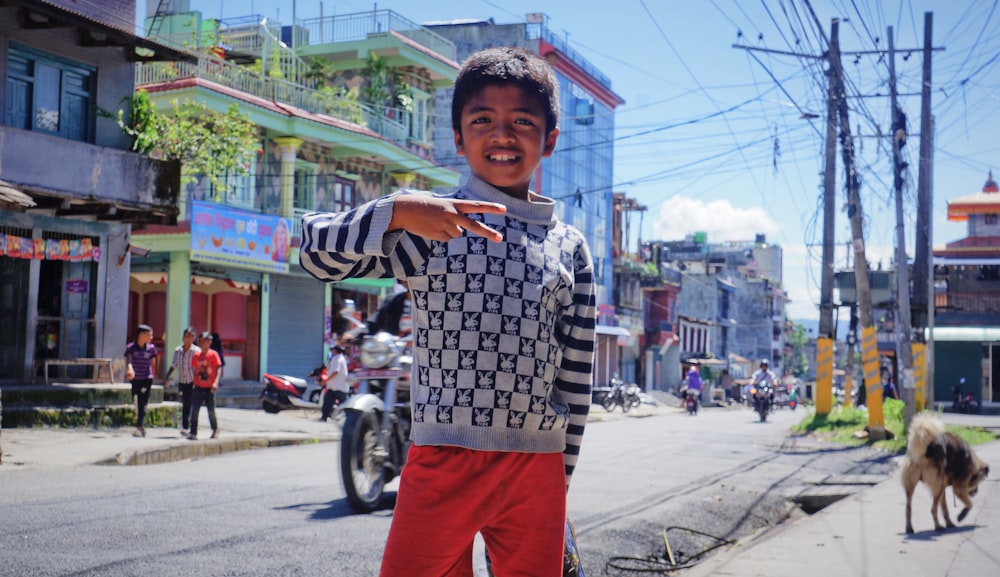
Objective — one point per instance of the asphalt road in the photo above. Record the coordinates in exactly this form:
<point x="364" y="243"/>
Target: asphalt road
<point x="281" y="511"/>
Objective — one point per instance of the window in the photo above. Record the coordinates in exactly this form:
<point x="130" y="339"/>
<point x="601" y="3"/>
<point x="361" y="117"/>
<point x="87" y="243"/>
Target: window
<point x="989" y="219"/>
<point x="418" y="119"/>
<point x="343" y="195"/>
<point x="49" y="94"/>
<point x="240" y="190"/>
<point x="305" y="185"/>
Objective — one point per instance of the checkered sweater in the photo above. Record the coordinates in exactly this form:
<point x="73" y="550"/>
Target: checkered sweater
<point x="503" y="332"/>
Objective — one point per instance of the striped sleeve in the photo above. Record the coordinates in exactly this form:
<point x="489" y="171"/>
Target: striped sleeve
<point x="576" y="375"/>
<point x="339" y="245"/>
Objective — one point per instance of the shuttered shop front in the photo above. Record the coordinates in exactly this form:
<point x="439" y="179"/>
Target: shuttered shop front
<point x="295" y="342"/>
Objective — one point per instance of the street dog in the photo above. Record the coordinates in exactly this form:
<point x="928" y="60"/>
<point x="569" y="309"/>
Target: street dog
<point x="940" y="459"/>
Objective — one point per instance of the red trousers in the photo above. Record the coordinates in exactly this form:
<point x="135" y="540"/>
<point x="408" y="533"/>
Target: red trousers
<point x="448" y="494"/>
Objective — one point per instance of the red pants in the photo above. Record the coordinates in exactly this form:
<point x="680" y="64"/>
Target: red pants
<point x="448" y="494"/>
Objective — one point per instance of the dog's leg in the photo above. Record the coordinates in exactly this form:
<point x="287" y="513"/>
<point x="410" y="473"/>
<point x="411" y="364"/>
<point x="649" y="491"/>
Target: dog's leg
<point x="944" y="509"/>
<point x="938" y="503"/>
<point x="963" y="495"/>
<point x="909" y="484"/>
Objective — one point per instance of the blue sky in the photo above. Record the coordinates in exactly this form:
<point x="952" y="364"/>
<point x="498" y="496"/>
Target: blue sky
<point x="711" y="137"/>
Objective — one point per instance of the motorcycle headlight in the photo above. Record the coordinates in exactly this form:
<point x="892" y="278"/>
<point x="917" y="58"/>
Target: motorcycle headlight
<point x="378" y="351"/>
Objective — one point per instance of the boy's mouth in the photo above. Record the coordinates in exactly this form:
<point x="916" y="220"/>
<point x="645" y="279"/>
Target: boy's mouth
<point x="502" y="157"/>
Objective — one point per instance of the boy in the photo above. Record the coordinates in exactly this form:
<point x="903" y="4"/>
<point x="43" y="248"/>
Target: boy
<point x="503" y="331"/>
<point x="207" y="373"/>
<point x="140" y="366"/>
<point x="183" y="355"/>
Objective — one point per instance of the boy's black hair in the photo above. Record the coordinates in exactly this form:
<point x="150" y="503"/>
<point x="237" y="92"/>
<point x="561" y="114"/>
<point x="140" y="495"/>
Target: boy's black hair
<point x="142" y="329"/>
<point x="506" y="65"/>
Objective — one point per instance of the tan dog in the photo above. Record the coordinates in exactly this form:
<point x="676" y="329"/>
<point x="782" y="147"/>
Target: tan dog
<point x="940" y="459"/>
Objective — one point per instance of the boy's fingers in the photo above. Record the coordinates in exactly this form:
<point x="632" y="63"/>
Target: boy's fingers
<point x="482" y="230"/>
<point x="476" y="206"/>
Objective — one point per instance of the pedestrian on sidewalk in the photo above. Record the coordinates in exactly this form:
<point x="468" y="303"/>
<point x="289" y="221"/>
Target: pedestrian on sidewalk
<point x="336" y="384"/>
<point x="207" y="373"/>
<point x="182" y="363"/>
<point x="140" y="359"/>
<point x="503" y="325"/>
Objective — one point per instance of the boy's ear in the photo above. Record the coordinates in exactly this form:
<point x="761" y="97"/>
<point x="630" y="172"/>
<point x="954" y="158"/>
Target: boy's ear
<point x="550" y="142"/>
<point x="459" y="150"/>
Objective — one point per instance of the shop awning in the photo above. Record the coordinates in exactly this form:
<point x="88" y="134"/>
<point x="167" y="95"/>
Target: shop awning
<point x="375" y="286"/>
<point x="966" y="334"/>
<point x="612" y="331"/>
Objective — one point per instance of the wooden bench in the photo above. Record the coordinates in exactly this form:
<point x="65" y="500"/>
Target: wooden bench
<point x="97" y="364"/>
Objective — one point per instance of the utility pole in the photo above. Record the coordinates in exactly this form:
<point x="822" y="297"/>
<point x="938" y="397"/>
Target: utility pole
<point x="869" y="343"/>
<point x="923" y="269"/>
<point x="826" y="337"/>
<point x="904" y="352"/>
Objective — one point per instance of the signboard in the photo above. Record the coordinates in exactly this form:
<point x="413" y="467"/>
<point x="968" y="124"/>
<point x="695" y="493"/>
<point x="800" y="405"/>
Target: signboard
<point x="76" y="286"/>
<point x="234" y="237"/>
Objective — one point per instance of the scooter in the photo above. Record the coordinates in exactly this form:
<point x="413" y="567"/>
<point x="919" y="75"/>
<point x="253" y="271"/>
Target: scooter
<point x="283" y="392"/>
<point x="691" y="402"/>
<point x="963" y="402"/>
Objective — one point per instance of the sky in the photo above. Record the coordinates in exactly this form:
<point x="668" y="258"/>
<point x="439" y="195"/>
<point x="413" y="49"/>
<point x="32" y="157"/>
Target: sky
<point x="721" y="139"/>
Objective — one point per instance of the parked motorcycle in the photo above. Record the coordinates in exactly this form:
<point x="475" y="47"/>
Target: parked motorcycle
<point x="963" y="402"/>
<point x="283" y="392"/>
<point x="621" y="395"/>
<point x="376" y="431"/>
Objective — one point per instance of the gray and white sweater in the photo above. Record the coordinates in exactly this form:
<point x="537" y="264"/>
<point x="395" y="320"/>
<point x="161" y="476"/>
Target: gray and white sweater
<point x="503" y="332"/>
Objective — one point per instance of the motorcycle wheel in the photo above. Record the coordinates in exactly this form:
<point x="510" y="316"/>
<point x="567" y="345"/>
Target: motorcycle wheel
<point x="626" y="405"/>
<point x="361" y="462"/>
<point x="608" y="403"/>
<point x="314" y="396"/>
<point x="762" y="411"/>
<point x="636" y="401"/>
<point x="270" y="407"/>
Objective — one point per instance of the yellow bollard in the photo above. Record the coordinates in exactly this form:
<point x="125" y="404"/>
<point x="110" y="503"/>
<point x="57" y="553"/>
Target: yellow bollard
<point x="824" y="375"/>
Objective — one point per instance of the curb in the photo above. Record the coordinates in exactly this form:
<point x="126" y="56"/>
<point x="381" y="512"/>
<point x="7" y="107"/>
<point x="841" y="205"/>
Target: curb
<point x="186" y="450"/>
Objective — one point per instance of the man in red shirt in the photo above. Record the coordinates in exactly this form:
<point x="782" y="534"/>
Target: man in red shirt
<point x="207" y="373"/>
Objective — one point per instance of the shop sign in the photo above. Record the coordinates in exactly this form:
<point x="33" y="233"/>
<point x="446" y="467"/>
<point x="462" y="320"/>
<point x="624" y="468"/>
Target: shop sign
<point x="237" y="238"/>
<point x="76" y="286"/>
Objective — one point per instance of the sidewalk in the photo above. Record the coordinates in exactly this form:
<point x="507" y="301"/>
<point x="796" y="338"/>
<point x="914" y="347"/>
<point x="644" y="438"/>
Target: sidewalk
<point x="864" y="535"/>
<point x="240" y="429"/>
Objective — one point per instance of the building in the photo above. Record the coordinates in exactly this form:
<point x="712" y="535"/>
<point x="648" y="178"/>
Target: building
<point x="335" y="131"/>
<point x="71" y="192"/>
<point x="967" y="299"/>
<point x="579" y="174"/>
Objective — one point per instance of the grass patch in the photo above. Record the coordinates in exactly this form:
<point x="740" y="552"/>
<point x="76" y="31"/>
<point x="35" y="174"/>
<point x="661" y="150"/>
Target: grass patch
<point x="843" y="424"/>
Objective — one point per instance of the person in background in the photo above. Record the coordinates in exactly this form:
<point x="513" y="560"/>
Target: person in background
<point x="693" y="384"/>
<point x="503" y="300"/>
<point x="207" y="374"/>
<point x="183" y="355"/>
<point x="336" y="384"/>
<point x="140" y="359"/>
<point x="217" y="347"/>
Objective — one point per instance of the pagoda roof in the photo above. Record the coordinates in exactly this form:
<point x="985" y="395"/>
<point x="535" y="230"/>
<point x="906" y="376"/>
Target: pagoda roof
<point x="985" y="202"/>
<point x="972" y="246"/>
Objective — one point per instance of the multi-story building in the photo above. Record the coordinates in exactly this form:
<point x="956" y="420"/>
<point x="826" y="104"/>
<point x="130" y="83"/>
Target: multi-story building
<point x="327" y="142"/>
<point x="70" y="189"/>
<point x="967" y="299"/>
<point x="579" y="174"/>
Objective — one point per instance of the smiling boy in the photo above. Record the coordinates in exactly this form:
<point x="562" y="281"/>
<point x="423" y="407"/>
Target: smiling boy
<point x="503" y="331"/>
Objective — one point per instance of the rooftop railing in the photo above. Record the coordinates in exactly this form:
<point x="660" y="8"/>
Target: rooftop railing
<point x="361" y="25"/>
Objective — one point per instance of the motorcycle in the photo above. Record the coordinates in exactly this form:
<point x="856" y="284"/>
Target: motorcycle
<point x="691" y="402"/>
<point x="793" y="398"/>
<point x="763" y="396"/>
<point x="376" y="430"/>
<point x="963" y="402"/>
<point x="625" y="396"/>
<point x="282" y="392"/>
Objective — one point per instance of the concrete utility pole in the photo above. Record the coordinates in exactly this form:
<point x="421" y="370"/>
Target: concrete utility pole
<point x="869" y="343"/>
<point x="904" y="352"/>
<point x="826" y="337"/>
<point x="923" y="270"/>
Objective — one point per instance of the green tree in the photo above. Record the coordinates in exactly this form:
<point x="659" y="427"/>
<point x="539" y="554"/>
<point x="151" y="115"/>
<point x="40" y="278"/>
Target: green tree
<point x="796" y="362"/>
<point x="207" y="143"/>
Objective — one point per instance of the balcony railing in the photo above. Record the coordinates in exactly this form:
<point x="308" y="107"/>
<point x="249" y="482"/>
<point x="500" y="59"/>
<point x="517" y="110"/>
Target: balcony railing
<point x="277" y="90"/>
<point x="361" y="25"/>
<point x="967" y="302"/>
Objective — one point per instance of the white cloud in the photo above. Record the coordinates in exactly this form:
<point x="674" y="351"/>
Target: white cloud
<point x="680" y="215"/>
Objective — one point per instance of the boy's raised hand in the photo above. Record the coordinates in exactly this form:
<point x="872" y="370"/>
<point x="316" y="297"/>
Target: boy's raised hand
<point x="442" y="219"/>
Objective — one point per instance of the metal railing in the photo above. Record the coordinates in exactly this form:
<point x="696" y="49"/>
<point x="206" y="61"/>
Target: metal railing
<point x="361" y="25"/>
<point x="277" y="90"/>
<point x="967" y="302"/>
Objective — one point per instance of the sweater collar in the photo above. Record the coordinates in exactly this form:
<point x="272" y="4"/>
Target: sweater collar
<point x="539" y="209"/>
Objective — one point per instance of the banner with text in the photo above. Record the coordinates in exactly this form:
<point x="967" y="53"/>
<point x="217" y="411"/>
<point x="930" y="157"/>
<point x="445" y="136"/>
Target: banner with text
<point x="234" y="237"/>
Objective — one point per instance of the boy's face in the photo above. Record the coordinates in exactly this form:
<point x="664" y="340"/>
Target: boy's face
<point x="144" y="337"/>
<point x="503" y="138"/>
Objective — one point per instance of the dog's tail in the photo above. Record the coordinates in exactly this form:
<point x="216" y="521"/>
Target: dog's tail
<point x="924" y="428"/>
